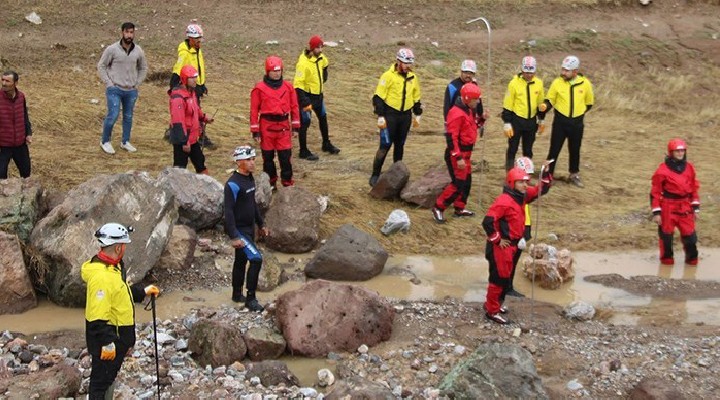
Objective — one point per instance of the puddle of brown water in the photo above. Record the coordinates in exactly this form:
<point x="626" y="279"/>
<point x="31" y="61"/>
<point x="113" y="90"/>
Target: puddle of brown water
<point x="437" y="277"/>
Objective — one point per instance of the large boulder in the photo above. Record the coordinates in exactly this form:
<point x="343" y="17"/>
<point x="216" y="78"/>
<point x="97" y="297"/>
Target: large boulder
<point x="199" y="197"/>
<point x="500" y="371"/>
<point x="263" y="192"/>
<point x="349" y="255"/>
<point x="271" y="373"/>
<point x="322" y="316"/>
<point x="271" y="273"/>
<point x="16" y="292"/>
<point x="180" y="250"/>
<point x="390" y="183"/>
<point x="356" y="387"/>
<point x="64" y="239"/>
<point x="425" y="191"/>
<point x="61" y="380"/>
<point x="19" y="206"/>
<point x="293" y="221"/>
<point x="264" y="344"/>
<point x="216" y="343"/>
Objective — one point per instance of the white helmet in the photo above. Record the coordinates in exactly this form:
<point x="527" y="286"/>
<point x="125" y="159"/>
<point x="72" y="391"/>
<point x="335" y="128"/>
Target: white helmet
<point x="526" y="164"/>
<point x="113" y="233"/>
<point x="528" y="64"/>
<point x="243" y="153"/>
<point x="571" y="63"/>
<point x="468" y="66"/>
<point x="406" y="56"/>
<point x="194" y="31"/>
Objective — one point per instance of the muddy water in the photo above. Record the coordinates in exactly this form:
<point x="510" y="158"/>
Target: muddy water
<point x="420" y="277"/>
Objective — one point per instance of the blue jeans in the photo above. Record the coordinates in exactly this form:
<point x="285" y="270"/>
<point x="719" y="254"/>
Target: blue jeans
<point x="115" y="96"/>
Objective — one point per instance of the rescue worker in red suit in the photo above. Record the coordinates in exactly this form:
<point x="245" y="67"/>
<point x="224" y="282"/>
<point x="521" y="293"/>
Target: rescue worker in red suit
<point x="461" y="131"/>
<point x="504" y="225"/>
<point x="186" y="117"/>
<point x="274" y="120"/>
<point x="675" y="203"/>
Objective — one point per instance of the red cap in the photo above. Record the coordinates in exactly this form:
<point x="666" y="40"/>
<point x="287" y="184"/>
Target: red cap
<point x="315" y="42"/>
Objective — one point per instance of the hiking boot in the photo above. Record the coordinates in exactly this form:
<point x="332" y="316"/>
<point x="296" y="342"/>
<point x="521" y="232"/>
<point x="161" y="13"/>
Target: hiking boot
<point x="253" y="305"/>
<point x="373" y="180"/>
<point x="463" y="213"/>
<point x="692" y="262"/>
<point x="497" y="318"/>
<point x="107" y="147"/>
<point x="504" y="310"/>
<point x="205" y="142"/>
<point x="438" y="215"/>
<point x="667" y="261"/>
<point x="308" y="155"/>
<point x="514" y="293"/>
<point x="329" y="148"/>
<point x="575" y="180"/>
<point x="238" y="298"/>
<point x="128" y="147"/>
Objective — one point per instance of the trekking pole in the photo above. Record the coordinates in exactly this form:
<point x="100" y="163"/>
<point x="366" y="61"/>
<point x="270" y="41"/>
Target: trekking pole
<point x="537" y="225"/>
<point x="157" y="359"/>
<point x="487" y="91"/>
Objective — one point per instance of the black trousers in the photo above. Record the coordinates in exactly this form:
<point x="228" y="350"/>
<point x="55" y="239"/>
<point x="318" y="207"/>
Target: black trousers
<point x="572" y="130"/>
<point x="286" y="170"/>
<point x="318" y="106"/>
<point x="398" y="126"/>
<point x="20" y="155"/>
<point x="196" y="156"/>
<point x="525" y="131"/>
<point x="238" y="273"/>
<point x="104" y="372"/>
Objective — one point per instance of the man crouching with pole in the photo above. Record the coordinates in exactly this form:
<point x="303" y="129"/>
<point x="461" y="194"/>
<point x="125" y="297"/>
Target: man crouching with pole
<point x="504" y="225"/>
<point x="109" y="309"/>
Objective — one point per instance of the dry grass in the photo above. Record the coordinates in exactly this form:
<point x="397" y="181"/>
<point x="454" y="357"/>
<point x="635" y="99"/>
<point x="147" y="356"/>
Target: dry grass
<point x="641" y="103"/>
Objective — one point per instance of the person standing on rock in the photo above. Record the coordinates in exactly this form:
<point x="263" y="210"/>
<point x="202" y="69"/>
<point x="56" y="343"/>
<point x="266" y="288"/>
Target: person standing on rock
<point x="396" y="99"/>
<point x="524" y="110"/>
<point x="241" y="216"/>
<point x="190" y="53"/>
<point x="504" y="225"/>
<point x="571" y="94"/>
<point x="109" y="309"/>
<point x="15" y="127"/>
<point x="185" y="119"/>
<point x="311" y="73"/>
<point x="122" y="67"/>
<point x="274" y="118"/>
<point x="675" y="203"/>
<point x="461" y="131"/>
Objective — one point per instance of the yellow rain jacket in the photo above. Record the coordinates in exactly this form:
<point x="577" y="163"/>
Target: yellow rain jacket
<point x="398" y="91"/>
<point x="522" y="97"/>
<point x="571" y="98"/>
<point x="188" y="55"/>
<point x="311" y="72"/>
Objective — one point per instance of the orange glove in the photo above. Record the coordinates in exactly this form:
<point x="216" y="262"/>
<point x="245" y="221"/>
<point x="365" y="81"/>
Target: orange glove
<point x="152" y="290"/>
<point x="541" y="127"/>
<point x="416" y="121"/>
<point x="382" y="124"/>
<point x="542" y="107"/>
<point x="108" y="352"/>
<point x="307" y="108"/>
<point x="508" y="130"/>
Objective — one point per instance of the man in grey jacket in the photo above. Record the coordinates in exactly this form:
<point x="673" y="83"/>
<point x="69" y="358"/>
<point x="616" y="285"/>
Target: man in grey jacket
<point x="123" y="68"/>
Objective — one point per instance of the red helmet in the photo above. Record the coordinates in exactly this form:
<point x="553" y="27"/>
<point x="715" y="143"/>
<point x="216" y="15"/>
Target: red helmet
<point x="186" y="72"/>
<point x="676" y="144"/>
<point x="516" y="174"/>
<point x="273" y="63"/>
<point x="470" y="91"/>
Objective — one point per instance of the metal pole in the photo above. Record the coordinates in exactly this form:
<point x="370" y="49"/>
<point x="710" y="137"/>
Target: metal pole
<point x="485" y="103"/>
<point x="537" y="226"/>
<point x="157" y="359"/>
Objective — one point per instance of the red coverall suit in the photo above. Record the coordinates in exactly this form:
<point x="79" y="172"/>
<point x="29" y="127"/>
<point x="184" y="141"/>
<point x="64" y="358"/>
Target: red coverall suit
<point x="674" y="196"/>
<point x="461" y="131"/>
<point x="272" y="102"/>
<point x="185" y="114"/>
<point x="505" y="219"/>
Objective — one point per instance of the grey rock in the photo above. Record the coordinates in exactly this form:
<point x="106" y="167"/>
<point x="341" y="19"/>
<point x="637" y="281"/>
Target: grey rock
<point x="20" y="206"/>
<point x="349" y="255"/>
<point x="390" y="183"/>
<point x="293" y="221"/>
<point x="198" y="197"/>
<point x="426" y="190"/>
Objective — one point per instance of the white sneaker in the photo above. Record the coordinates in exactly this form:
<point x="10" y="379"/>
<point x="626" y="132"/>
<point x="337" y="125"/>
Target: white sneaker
<point x="107" y="147"/>
<point x="127" y="146"/>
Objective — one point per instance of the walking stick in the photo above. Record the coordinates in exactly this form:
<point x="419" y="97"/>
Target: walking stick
<point x="157" y="359"/>
<point x="487" y="91"/>
<point x="537" y="224"/>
